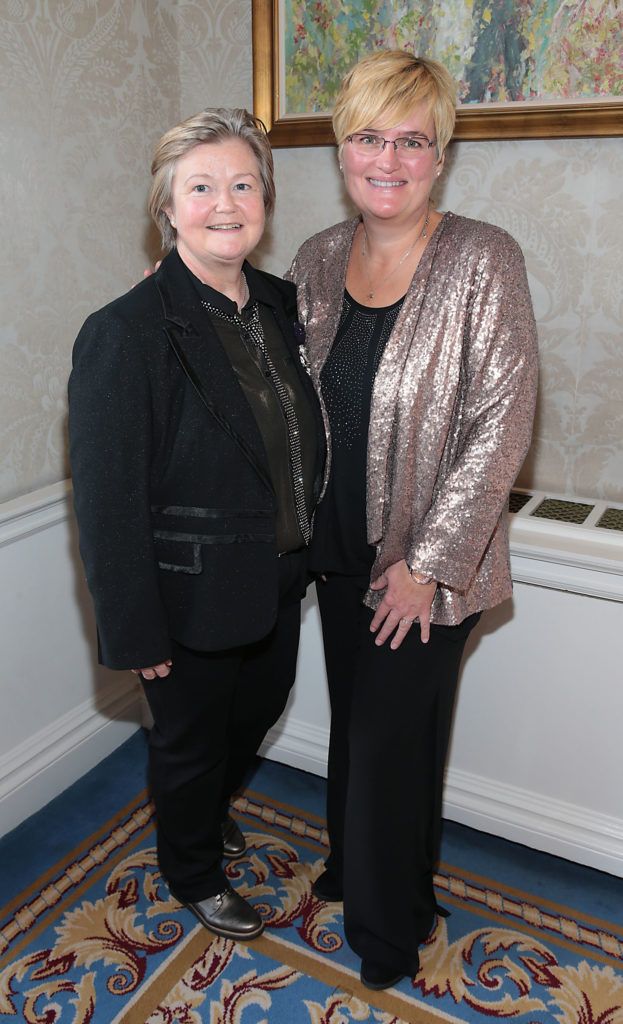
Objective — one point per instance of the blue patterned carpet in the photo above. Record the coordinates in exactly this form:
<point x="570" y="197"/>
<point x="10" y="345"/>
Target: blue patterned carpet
<point x="89" y="932"/>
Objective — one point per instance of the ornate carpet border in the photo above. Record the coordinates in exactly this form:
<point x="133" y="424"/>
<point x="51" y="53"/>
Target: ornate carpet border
<point x="539" y="921"/>
<point x="56" y="888"/>
<point x="580" y="932"/>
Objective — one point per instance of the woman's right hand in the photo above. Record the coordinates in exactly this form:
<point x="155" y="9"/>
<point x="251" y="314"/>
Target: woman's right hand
<point x="160" y="670"/>
<point x="404" y="602"/>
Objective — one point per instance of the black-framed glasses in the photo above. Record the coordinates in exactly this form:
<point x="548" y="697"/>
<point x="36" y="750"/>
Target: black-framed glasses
<point x="410" y="146"/>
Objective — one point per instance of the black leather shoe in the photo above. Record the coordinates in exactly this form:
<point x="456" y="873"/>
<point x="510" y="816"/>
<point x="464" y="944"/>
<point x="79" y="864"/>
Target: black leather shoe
<point x="229" y="915"/>
<point x="234" y="843"/>
<point x="378" y="976"/>
<point x="327" y="888"/>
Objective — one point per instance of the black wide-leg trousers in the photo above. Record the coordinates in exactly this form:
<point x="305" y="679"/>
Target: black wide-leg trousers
<point x="391" y="714"/>
<point x="210" y="715"/>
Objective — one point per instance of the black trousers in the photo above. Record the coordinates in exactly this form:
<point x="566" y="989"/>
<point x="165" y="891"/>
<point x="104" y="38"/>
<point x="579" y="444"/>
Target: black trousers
<point x="391" y="714"/>
<point x="210" y="715"/>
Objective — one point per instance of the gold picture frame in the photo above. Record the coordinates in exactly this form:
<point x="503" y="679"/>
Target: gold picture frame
<point x="513" y="120"/>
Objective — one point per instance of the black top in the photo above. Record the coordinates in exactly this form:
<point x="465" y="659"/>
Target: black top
<point x="255" y="380"/>
<point x="339" y="542"/>
<point x="172" y="486"/>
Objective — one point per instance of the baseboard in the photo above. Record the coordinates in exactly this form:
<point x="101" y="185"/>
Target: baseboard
<point x="48" y="762"/>
<point x="298" y="744"/>
<point x="35" y="772"/>
<point x="552" y="826"/>
<point x="566" y="830"/>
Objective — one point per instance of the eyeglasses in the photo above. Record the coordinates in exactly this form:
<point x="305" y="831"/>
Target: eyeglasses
<point x="410" y="146"/>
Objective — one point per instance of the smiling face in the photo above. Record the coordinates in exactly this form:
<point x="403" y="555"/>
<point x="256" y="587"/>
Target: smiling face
<point x="389" y="185"/>
<point x="217" y="206"/>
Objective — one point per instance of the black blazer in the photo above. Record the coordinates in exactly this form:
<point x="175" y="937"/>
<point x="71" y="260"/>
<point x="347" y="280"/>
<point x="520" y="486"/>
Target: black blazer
<point x="175" y="507"/>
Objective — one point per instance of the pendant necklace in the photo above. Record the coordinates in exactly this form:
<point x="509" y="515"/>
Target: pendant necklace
<point x="405" y="255"/>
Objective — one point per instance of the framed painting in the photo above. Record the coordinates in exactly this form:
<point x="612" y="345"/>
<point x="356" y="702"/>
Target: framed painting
<point x="524" y="68"/>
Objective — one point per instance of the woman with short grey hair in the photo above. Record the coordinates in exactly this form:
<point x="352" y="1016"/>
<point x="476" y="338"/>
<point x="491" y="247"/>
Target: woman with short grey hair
<point x="197" y="453"/>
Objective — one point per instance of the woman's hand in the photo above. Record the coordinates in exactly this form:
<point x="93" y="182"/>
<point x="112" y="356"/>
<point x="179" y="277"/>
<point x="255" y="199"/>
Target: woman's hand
<point x="147" y="273"/>
<point x="403" y="603"/>
<point x="160" y="670"/>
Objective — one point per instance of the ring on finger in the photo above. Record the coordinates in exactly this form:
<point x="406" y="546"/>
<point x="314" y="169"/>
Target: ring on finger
<point x="407" y="622"/>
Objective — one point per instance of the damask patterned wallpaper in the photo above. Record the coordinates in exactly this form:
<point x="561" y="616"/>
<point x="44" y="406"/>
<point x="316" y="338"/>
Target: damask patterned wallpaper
<point x="87" y="88"/>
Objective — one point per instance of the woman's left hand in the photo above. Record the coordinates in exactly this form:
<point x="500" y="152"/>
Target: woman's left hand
<point x="403" y="603"/>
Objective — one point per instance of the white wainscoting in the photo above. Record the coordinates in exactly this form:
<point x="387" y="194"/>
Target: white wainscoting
<point x="536" y="750"/>
<point x="535" y="755"/>
<point x="524" y="816"/>
<point x="60" y="713"/>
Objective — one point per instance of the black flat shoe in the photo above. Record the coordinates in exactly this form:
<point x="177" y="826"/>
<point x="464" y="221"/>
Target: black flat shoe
<point x="234" y="843"/>
<point x="378" y="976"/>
<point x="326" y="888"/>
<point x="229" y="915"/>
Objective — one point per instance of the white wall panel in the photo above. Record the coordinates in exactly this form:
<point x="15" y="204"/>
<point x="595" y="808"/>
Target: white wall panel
<point x="60" y="712"/>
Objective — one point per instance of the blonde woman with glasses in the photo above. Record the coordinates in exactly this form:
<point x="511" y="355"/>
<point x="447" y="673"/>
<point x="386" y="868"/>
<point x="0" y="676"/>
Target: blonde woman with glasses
<point x="421" y="342"/>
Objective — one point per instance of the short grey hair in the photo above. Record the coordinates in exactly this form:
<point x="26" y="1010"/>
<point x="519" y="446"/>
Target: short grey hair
<point x="215" y="124"/>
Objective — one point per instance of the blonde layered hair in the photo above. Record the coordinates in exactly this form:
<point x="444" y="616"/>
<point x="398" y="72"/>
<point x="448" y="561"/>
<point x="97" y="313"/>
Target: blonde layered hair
<point x="384" y="87"/>
<point x="215" y="124"/>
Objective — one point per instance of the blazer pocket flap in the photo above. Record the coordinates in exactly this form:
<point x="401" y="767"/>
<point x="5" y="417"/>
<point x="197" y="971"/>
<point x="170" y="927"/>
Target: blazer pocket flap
<point x="212" y="526"/>
<point x="178" y="555"/>
<point x="212" y="522"/>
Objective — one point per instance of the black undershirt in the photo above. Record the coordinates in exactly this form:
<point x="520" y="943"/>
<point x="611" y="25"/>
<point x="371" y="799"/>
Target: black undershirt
<point x="249" y="367"/>
<point x="339" y="543"/>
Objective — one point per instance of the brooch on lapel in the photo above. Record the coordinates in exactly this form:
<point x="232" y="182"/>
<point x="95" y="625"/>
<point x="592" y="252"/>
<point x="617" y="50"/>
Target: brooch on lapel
<point x="299" y="334"/>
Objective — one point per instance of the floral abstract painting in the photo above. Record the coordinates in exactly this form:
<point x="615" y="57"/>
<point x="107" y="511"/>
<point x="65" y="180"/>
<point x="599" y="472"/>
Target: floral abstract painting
<point x="499" y="51"/>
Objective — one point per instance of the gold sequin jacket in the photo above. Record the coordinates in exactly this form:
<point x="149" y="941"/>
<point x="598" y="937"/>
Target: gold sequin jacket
<point x="452" y="405"/>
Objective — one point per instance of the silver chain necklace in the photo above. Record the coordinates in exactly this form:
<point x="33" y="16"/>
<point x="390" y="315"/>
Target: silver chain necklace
<point x="251" y="330"/>
<point x="405" y="255"/>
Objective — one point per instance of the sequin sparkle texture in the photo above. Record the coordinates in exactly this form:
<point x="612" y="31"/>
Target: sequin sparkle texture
<point x="452" y="405"/>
